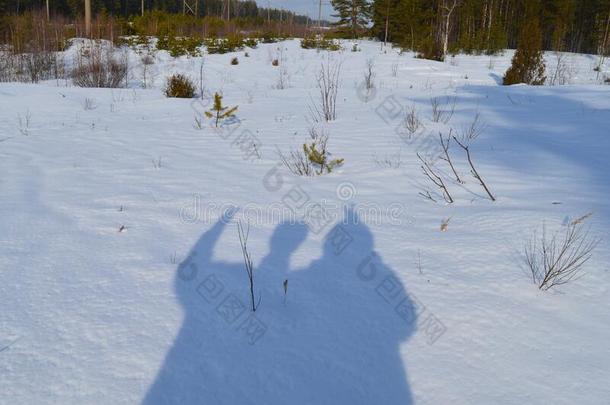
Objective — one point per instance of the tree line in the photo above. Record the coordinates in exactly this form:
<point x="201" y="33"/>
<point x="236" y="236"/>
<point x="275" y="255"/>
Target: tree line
<point x="228" y="9"/>
<point x="436" y="27"/>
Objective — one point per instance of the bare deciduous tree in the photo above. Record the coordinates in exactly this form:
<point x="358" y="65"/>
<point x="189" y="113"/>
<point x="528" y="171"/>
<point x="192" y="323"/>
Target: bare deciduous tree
<point x="447" y="8"/>
<point x="328" y="84"/>
<point x="283" y="79"/>
<point x="146" y="60"/>
<point x="563" y="72"/>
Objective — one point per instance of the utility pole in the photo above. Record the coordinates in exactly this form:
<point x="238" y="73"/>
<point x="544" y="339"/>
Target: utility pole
<point x="320" y="16"/>
<point x="88" y="18"/>
<point x="48" y="13"/>
<point x="142" y="8"/>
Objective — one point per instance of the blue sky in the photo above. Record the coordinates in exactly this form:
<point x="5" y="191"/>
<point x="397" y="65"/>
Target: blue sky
<point x="306" y="7"/>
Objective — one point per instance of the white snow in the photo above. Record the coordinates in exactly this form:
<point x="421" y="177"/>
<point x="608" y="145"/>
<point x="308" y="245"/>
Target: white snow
<point x="93" y="315"/>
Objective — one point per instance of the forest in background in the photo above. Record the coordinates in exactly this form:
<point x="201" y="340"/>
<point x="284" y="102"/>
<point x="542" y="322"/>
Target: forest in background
<point x="491" y="25"/>
<point x="26" y="26"/>
<point x="433" y="28"/>
<point x="125" y="8"/>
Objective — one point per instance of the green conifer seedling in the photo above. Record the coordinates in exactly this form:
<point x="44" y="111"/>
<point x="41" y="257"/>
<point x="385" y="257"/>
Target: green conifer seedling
<point x="318" y="156"/>
<point x="218" y="112"/>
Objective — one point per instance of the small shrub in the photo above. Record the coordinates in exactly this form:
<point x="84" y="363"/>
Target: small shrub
<point x="234" y="61"/>
<point x="275" y="62"/>
<point x="179" y="46"/>
<point x="431" y="50"/>
<point x="250" y="43"/>
<point x="224" y="45"/>
<point x="100" y="68"/>
<point x="320" y="43"/>
<point x="31" y="67"/>
<point x="138" y="43"/>
<point x="309" y="43"/>
<point x="317" y="154"/>
<point x="411" y="122"/>
<point x="328" y="83"/>
<point x="179" y="86"/>
<point x="269" y="37"/>
<point x="442" y="111"/>
<point x="558" y="259"/>
<point x="313" y="159"/>
<point x="218" y="112"/>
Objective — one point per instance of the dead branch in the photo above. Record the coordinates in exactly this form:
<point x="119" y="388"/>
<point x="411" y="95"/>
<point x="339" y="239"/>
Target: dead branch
<point x="445" y="143"/>
<point x="427" y="196"/>
<point x="474" y="172"/>
<point x="434" y="178"/>
<point x="243" y="241"/>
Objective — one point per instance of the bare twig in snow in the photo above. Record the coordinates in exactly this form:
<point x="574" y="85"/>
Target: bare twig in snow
<point x="445" y="143"/>
<point x="558" y="259"/>
<point x="249" y="266"/>
<point x="435" y="179"/>
<point x="474" y="172"/>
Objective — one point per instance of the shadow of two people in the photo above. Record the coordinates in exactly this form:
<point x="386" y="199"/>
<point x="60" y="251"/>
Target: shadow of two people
<point x="333" y="339"/>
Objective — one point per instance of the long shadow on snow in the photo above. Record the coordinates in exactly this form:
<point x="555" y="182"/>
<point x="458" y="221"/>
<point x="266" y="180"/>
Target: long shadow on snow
<point x="335" y="340"/>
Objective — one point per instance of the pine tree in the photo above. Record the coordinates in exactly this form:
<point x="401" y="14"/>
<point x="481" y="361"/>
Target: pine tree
<point x="354" y="15"/>
<point x="528" y="63"/>
<point x="218" y="112"/>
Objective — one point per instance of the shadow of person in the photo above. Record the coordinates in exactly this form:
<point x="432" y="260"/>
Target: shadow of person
<point x="198" y="284"/>
<point x="334" y="340"/>
<point x="353" y="314"/>
<point x="275" y="267"/>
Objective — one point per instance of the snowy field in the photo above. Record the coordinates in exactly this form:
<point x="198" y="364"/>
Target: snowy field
<point x="121" y="274"/>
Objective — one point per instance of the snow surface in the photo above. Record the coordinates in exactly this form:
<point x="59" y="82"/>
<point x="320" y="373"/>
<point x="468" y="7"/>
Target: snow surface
<point x="158" y="312"/>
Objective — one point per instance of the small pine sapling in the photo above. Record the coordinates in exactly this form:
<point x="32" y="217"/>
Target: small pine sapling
<point x="317" y="154"/>
<point x="218" y="112"/>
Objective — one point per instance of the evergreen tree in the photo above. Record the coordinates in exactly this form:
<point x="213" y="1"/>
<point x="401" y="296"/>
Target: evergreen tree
<point x="528" y="63"/>
<point x="354" y="15"/>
